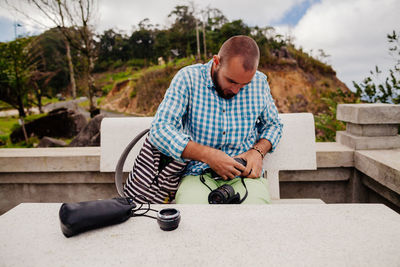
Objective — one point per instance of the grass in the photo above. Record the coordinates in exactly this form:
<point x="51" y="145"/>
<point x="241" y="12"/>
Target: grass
<point x="9" y="124"/>
<point x="107" y="80"/>
<point x="4" y="105"/>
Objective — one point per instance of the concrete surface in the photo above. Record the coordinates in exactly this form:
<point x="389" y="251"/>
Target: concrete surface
<point x="328" y="191"/>
<point x="383" y="166"/>
<point x="297" y="201"/>
<point x="333" y="154"/>
<point x="372" y="129"/>
<point x="322" y="174"/>
<point x="251" y="235"/>
<point x="365" y="142"/>
<point x="116" y="134"/>
<point x="53" y="159"/>
<point x="369" y="113"/>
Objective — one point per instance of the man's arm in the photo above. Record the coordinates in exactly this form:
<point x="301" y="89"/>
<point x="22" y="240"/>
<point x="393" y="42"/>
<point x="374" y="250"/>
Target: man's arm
<point x="166" y="129"/>
<point x="269" y="133"/>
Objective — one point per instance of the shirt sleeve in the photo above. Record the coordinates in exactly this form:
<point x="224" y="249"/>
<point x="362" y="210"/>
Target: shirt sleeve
<point x="166" y="132"/>
<point x="270" y="126"/>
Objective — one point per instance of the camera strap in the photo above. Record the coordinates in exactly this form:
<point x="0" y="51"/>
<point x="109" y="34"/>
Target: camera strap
<point x="241" y="178"/>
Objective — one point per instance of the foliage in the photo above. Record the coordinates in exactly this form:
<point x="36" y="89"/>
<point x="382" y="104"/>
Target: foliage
<point x="52" y="50"/>
<point x="308" y="63"/>
<point x="372" y="89"/>
<point x="326" y="124"/>
<point x="152" y="84"/>
<point x="15" y="67"/>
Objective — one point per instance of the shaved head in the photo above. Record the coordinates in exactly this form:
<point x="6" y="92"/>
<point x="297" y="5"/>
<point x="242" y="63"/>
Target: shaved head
<point x="240" y="46"/>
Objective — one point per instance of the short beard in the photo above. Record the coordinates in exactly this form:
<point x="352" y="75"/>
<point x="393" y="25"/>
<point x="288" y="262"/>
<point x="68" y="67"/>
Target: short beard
<point x="218" y="88"/>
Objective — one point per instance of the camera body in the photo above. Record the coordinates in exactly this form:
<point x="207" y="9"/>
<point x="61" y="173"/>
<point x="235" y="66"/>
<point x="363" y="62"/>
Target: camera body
<point x="225" y="194"/>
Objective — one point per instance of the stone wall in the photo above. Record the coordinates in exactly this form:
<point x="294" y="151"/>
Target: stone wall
<point x="72" y="174"/>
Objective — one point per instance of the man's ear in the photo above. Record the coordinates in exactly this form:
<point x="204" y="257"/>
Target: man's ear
<point x="216" y="61"/>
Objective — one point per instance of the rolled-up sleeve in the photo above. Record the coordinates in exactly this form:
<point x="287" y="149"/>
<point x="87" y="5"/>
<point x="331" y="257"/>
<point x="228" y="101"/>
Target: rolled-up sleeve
<point x="270" y="126"/>
<point x="166" y="132"/>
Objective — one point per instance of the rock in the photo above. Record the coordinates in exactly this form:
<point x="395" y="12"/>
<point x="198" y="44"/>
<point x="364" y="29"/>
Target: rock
<point x="60" y="122"/>
<point x="90" y="135"/>
<point x="51" y="142"/>
<point x="71" y="105"/>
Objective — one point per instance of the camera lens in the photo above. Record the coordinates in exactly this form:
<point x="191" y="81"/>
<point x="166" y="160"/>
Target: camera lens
<point x="168" y="219"/>
<point x="221" y="195"/>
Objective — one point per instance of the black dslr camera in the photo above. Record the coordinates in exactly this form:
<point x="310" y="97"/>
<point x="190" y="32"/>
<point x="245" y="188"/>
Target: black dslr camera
<point x="225" y="194"/>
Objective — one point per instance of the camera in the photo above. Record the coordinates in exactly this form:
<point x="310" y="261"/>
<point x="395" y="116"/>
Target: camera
<point x="225" y="194"/>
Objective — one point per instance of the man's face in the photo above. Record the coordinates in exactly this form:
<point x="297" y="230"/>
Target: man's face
<point x="230" y="77"/>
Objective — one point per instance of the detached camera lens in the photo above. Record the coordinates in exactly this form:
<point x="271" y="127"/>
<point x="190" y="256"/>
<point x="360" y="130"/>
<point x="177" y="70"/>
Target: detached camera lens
<point x="168" y="219"/>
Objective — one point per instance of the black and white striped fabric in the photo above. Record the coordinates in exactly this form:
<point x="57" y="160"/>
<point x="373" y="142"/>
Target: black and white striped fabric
<point x="151" y="179"/>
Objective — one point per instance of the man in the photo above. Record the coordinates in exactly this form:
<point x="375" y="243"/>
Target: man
<point x="214" y="112"/>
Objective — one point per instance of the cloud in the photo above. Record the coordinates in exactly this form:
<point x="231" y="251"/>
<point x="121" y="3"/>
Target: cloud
<point x="352" y="32"/>
<point x="124" y="14"/>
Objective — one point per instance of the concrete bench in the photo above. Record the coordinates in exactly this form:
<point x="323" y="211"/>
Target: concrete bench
<point x="296" y="150"/>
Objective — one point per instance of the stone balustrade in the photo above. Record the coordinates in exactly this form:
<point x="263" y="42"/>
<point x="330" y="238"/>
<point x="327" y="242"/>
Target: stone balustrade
<point x="369" y="126"/>
<point x="348" y="171"/>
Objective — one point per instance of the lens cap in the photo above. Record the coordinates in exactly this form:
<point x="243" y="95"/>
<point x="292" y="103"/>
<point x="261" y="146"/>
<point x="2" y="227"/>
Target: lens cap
<point x="168" y="219"/>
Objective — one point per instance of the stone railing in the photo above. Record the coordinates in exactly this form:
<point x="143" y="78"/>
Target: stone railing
<point x="363" y="166"/>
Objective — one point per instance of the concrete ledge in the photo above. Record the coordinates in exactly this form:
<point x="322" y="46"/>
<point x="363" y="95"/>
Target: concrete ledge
<point x="381" y="165"/>
<point x="372" y="129"/>
<point x="57" y="178"/>
<point x="321" y="174"/>
<point x="87" y="159"/>
<point x="55" y="159"/>
<point x="365" y="142"/>
<point x="333" y="154"/>
<point x="369" y="113"/>
<point x="382" y="191"/>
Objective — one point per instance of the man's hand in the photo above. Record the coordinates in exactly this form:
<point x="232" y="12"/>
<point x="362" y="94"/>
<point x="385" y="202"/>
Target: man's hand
<point x="254" y="164"/>
<point x="219" y="161"/>
<point x="224" y="165"/>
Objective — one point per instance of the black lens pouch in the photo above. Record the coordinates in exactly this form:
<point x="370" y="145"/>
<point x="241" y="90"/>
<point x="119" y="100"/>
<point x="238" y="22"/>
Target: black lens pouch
<point x="79" y="217"/>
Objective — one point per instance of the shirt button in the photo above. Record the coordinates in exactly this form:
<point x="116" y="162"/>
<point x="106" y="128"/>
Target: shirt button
<point x="223" y="132"/>
<point x="223" y="110"/>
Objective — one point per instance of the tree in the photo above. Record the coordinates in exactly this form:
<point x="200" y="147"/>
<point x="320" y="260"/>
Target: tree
<point x="372" y="89"/>
<point x="15" y="67"/>
<point x="39" y="74"/>
<point x="50" y="47"/>
<point x="183" y="31"/>
<point x="14" y="73"/>
<point x="73" y="19"/>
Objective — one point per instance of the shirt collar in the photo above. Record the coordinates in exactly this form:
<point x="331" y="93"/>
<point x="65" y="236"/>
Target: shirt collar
<point x="207" y="73"/>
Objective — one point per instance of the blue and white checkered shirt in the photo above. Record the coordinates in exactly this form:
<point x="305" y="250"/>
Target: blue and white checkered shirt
<point x="193" y="110"/>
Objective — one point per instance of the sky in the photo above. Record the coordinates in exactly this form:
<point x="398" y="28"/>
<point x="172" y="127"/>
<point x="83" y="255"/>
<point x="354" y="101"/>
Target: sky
<point x="353" y="33"/>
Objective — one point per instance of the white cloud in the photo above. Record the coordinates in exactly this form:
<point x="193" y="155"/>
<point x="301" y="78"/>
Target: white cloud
<point x="123" y="14"/>
<point x="352" y="32"/>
